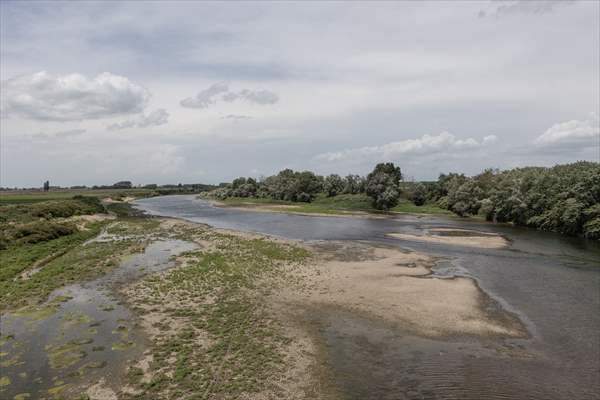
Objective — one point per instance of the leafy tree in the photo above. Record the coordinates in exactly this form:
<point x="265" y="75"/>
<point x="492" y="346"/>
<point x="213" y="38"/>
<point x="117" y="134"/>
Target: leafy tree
<point x="354" y="184"/>
<point x="419" y="194"/>
<point x="333" y="185"/>
<point x="382" y="186"/>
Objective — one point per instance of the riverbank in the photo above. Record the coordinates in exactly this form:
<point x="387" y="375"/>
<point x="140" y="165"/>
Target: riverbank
<point x="341" y="205"/>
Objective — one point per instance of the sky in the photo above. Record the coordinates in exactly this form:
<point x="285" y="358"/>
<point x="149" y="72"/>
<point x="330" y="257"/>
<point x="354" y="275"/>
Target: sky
<point x="169" y="92"/>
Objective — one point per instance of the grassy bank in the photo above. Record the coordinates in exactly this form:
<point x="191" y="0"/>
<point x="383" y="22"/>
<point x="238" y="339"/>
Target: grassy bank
<point x="35" y="196"/>
<point x="336" y="205"/>
<point x="42" y="246"/>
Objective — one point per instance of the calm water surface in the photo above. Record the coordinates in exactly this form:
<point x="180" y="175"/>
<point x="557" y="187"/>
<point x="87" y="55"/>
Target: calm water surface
<point x="551" y="282"/>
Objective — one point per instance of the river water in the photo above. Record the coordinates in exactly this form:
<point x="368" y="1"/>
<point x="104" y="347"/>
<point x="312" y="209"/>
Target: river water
<point x="551" y="282"/>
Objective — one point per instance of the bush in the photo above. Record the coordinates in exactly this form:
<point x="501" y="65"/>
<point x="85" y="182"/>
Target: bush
<point x="419" y="194"/>
<point x="41" y="231"/>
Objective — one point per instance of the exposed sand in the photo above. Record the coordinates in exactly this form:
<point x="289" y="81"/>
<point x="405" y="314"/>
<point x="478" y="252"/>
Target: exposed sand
<point x="100" y="391"/>
<point x="396" y="286"/>
<point x="82" y="220"/>
<point x="127" y="199"/>
<point x="293" y="209"/>
<point x="459" y="237"/>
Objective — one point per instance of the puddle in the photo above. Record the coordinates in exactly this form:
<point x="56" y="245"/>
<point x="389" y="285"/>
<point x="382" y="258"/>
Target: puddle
<point x="82" y="333"/>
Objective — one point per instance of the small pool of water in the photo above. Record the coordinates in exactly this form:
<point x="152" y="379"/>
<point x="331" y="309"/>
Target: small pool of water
<point x="82" y="333"/>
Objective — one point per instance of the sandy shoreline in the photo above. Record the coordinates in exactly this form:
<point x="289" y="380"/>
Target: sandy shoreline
<point x="459" y="237"/>
<point x="397" y="286"/>
<point x="289" y="209"/>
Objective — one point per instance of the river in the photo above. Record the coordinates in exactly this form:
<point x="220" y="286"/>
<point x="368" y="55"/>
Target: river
<point x="551" y="282"/>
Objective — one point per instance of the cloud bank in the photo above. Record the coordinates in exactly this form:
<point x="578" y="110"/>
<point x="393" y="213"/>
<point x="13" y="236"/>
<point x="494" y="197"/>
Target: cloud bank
<point x="155" y="118"/>
<point x="73" y="97"/>
<point x="220" y="91"/>
<point x="535" y="7"/>
<point x="426" y="145"/>
<point x="572" y="133"/>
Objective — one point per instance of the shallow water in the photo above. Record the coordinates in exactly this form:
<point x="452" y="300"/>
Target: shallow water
<point x="551" y="282"/>
<point x="89" y="335"/>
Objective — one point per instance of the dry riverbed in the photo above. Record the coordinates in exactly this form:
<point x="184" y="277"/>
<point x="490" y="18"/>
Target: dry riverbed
<point x="233" y="316"/>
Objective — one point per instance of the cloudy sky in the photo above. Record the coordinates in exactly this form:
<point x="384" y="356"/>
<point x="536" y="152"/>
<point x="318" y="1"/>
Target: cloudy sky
<point x="166" y="92"/>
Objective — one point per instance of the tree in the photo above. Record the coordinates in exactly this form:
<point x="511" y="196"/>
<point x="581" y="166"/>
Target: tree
<point x="382" y="186"/>
<point x="354" y="184"/>
<point x="333" y="185"/>
<point x="46" y="186"/>
<point x="419" y="194"/>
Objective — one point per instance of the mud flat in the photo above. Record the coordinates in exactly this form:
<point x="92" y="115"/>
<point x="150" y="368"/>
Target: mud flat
<point x="460" y="237"/>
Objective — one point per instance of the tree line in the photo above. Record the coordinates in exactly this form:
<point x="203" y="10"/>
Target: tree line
<point x="564" y="198"/>
<point x="382" y="185"/>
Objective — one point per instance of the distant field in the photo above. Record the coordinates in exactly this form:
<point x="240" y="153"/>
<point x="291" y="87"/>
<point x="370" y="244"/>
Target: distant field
<point x="336" y="205"/>
<point x="33" y="196"/>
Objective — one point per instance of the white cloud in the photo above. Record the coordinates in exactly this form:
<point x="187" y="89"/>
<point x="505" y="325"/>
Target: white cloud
<point x="536" y="7"/>
<point x="209" y="96"/>
<point x="206" y="97"/>
<point x="155" y="118"/>
<point x="427" y="144"/>
<point x="42" y="96"/>
<point x="262" y="97"/>
<point x="574" y="132"/>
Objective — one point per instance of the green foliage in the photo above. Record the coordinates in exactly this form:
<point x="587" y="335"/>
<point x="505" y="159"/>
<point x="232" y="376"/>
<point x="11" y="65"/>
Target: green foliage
<point x="419" y="194"/>
<point x="563" y="199"/>
<point x="28" y="196"/>
<point x="78" y="205"/>
<point x="382" y="186"/>
<point x="36" y="232"/>
<point x="354" y="184"/>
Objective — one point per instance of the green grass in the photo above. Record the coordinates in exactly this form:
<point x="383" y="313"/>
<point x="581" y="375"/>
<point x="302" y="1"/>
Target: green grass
<point x="336" y="205"/>
<point x="41" y="251"/>
<point x="406" y="206"/>
<point x="59" y="262"/>
<point x="33" y="196"/>
<point x="49" y="209"/>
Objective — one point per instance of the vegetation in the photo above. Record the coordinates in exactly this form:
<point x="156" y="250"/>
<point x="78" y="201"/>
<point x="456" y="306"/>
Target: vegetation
<point x="117" y="191"/>
<point x="37" y="222"/>
<point x="36" y="196"/>
<point x="382" y="186"/>
<point x="41" y="248"/>
<point x="218" y="339"/>
<point x="564" y="199"/>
